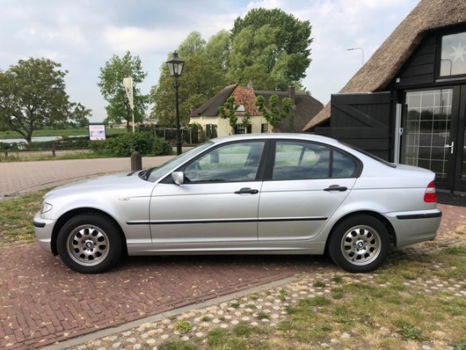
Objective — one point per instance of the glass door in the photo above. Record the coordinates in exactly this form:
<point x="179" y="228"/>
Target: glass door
<point x="428" y="140"/>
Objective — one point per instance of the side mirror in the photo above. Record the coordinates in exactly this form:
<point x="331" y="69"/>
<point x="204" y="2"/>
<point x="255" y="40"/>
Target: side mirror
<point x="178" y="177"/>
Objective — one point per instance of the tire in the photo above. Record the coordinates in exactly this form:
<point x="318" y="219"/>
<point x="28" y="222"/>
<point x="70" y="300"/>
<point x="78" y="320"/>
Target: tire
<point x="359" y="243"/>
<point x="89" y="243"/>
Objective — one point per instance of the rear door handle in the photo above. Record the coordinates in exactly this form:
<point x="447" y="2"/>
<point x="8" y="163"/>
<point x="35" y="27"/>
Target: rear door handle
<point x="247" y="190"/>
<point x="336" y="188"/>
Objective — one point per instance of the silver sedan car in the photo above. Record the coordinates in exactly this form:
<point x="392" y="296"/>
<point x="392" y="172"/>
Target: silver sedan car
<point x="248" y="194"/>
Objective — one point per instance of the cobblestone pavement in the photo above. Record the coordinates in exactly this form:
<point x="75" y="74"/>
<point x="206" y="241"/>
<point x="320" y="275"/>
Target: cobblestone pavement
<point x="267" y="308"/>
<point x="42" y="302"/>
<point x="21" y="177"/>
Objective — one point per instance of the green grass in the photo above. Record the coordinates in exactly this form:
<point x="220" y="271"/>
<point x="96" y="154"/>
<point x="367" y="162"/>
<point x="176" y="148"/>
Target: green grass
<point x="183" y="326"/>
<point x="407" y="315"/>
<point x="16" y="217"/>
<point x="58" y="132"/>
<point x="319" y="284"/>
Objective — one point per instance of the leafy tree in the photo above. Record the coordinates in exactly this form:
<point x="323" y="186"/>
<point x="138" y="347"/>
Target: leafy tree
<point x="228" y="111"/>
<point x="246" y="121"/>
<point x="201" y="79"/>
<point x="275" y="112"/>
<point x="218" y="50"/>
<point x="33" y="96"/>
<point x="112" y="89"/>
<point x="270" y="43"/>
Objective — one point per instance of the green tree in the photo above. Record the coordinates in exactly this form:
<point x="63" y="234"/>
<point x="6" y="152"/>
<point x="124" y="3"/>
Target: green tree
<point x="276" y="111"/>
<point x="112" y="89"/>
<point x="246" y="121"/>
<point x="218" y="50"/>
<point x="228" y="111"/>
<point x="32" y="96"/>
<point x="270" y="46"/>
<point x="200" y="80"/>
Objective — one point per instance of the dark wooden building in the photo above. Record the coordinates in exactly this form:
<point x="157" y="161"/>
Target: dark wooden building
<point x="407" y="104"/>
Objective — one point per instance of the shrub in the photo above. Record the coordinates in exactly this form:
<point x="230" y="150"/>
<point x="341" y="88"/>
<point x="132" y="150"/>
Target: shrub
<point x="124" y="145"/>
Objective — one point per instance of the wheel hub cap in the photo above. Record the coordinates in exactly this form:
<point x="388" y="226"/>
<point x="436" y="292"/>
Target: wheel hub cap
<point x="361" y="245"/>
<point x="88" y="245"/>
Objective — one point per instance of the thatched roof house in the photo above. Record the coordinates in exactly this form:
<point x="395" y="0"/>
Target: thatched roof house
<point x="386" y="62"/>
<point x="207" y="115"/>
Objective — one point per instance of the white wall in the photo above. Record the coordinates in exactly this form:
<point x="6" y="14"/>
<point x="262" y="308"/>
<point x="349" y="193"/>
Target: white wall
<point x="223" y="127"/>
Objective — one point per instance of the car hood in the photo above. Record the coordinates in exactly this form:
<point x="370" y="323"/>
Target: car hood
<point x="125" y="182"/>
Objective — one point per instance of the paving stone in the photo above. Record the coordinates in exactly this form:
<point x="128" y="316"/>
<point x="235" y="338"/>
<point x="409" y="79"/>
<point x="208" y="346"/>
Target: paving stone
<point x="149" y="280"/>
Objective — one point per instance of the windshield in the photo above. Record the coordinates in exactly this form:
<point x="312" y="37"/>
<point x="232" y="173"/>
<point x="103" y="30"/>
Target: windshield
<point x="155" y="173"/>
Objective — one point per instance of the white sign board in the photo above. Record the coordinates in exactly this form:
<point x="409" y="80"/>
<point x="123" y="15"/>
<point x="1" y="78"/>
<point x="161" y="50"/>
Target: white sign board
<point x="96" y="132"/>
<point x="128" y="84"/>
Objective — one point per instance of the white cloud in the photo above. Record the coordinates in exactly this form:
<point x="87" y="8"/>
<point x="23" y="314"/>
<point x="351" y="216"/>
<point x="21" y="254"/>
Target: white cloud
<point x="141" y="39"/>
<point x="82" y="35"/>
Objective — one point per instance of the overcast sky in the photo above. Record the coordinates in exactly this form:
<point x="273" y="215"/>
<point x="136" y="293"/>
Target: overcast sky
<point x="82" y="35"/>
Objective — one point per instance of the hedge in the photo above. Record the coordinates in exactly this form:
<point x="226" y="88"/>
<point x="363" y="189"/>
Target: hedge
<point x="124" y="145"/>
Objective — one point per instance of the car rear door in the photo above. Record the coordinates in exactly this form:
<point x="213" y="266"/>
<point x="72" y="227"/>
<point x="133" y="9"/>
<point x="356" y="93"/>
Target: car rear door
<point x="304" y="184"/>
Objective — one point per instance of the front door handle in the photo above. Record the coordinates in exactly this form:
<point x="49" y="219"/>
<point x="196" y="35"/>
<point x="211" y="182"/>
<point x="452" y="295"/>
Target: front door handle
<point x="247" y="190"/>
<point x="336" y="188"/>
<point x="451" y="146"/>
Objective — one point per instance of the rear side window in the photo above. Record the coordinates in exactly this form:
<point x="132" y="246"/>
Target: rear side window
<point x="343" y="165"/>
<point x="295" y="160"/>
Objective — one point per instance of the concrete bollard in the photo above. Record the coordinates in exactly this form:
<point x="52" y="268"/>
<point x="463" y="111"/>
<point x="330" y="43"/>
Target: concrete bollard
<point x="136" y="161"/>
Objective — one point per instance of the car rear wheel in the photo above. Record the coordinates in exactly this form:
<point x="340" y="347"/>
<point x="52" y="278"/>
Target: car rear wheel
<point x="359" y="243"/>
<point x="89" y="243"/>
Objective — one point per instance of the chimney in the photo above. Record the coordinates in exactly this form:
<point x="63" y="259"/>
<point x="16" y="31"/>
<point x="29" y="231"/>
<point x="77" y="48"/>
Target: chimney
<point x="292" y="94"/>
<point x="249" y="86"/>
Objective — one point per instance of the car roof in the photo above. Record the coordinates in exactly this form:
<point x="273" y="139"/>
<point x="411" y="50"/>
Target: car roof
<point x="293" y="136"/>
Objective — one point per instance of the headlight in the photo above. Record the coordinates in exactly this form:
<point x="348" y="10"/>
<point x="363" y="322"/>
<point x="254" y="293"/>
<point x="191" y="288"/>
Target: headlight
<point x="46" y="207"/>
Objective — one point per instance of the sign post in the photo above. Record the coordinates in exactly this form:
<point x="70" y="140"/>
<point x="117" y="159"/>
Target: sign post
<point x="96" y="131"/>
<point x="128" y="84"/>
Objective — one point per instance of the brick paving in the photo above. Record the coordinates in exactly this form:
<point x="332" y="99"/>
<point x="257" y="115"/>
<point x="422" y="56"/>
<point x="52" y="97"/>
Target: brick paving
<point x="42" y="302"/>
<point x="270" y="306"/>
<point x="21" y="177"/>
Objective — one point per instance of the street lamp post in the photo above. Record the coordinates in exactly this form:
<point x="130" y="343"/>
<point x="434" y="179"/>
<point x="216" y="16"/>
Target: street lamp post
<point x="175" y="67"/>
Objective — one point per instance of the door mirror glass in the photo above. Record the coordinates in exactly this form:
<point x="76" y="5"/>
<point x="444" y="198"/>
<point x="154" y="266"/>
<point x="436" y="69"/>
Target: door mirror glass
<point x="178" y="177"/>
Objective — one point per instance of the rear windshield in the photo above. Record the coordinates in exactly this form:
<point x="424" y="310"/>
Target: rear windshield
<point x="370" y="155"/>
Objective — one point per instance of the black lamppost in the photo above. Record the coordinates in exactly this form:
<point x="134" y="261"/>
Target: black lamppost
<point x="175" y="66"/>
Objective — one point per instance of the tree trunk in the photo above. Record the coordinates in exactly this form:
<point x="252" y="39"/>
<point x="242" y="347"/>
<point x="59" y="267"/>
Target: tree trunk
<point x="127" y="125"/>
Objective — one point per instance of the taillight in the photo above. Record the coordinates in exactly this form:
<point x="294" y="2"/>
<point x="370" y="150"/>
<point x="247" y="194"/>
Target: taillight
<point x="430" y="196"/>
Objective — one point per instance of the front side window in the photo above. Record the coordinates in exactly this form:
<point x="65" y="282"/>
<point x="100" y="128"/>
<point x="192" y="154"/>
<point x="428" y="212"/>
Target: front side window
<point x="453" y="56"/>
<point x="229" y="163"/>
<point x="304" y="160"/>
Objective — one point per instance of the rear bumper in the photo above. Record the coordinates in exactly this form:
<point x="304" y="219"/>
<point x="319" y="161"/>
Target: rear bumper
<point x="415" y="226"/>
<point x="43" y="229"/>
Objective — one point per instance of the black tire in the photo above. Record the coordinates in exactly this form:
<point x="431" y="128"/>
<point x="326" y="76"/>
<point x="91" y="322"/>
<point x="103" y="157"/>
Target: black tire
<point x="89" y="243"/>
<point x="359" y="243"/>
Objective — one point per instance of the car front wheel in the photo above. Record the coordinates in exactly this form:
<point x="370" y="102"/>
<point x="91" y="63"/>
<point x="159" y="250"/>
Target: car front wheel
<point x="359" y="243"/>
<point x="89" y="243"/>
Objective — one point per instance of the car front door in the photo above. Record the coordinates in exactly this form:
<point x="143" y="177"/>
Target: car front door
<point x="304" y="185"/>
<point x="216" y="205"/>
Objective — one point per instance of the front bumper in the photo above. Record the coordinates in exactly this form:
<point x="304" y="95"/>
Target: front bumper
<point x="415" y="226"/>
<point x="43" y="229"/>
